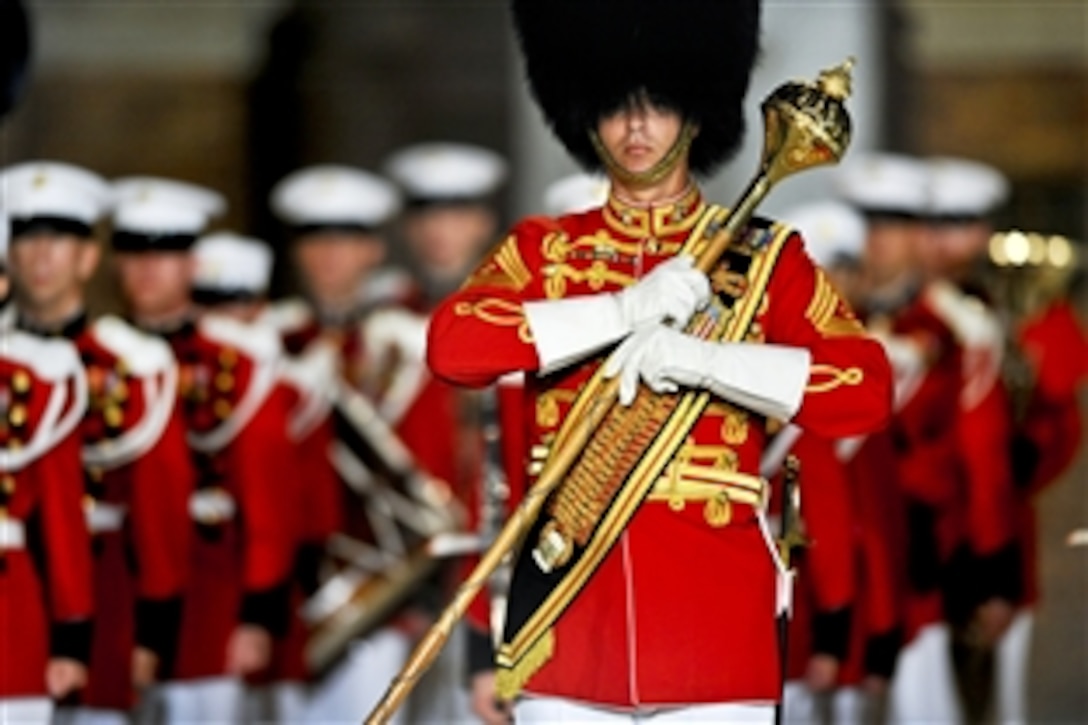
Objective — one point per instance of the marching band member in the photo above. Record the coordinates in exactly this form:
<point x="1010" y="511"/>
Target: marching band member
<point x="448" y="220"/>
<point x="46" y="589"/>
<point x="984" y="580"/>
<point x="678" y="617"/>
<point x="242" y="547"/>
<point x="893" y="193"/>
<point x="335" y="216"/>
<point x="134" y="452"/>
<point x="232" y="279"/>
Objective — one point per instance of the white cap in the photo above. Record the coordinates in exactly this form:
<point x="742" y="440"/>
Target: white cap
<point x="964" y="188"/>
<point x="575" y="194"/>
<point x="332" y="195"/>
<point x="885" y="183"/>
<point x="155" y="206"/>
<point x="53" y="189"/>
<point x="443" y="171"/>
<point x="231" y="264"/>
<point x="832" y="230"/>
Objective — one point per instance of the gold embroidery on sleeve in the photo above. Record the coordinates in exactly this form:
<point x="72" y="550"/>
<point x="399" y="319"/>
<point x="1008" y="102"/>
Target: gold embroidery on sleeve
<point x="503" y="268"/>
<point x="509" y="259"/>
<point x="497" y="311"/>
<point x="828" y="313"/>
<point x="824" y="378"/>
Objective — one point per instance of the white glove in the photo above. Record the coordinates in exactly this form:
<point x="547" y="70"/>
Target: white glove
<point x="671" y="292"/>
<point x="973" y="324"/>
<point x="767" y="379"/>
<point x="568" y="330"/>
<point x="397" y="329"/>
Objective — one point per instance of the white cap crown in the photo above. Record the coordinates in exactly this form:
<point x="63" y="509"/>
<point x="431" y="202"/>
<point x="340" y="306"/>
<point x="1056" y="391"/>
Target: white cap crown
<point x="964" y="188"/>
<point x="831" y="230"/>
<point x="152" y="205"/>
<point x="445" y="171"/>
<point x="54" y="189"/>
<point x="885" y="183"/>
<point x="332" y="195"/>
<point x="232" y="264"/>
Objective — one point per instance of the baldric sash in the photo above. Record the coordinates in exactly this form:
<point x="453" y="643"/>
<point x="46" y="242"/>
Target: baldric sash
<point x="627" y="454"/>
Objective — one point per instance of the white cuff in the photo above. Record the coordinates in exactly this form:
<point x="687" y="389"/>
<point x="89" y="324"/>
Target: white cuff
<point x="768" y="379"/>
<point x="568" y="330"/>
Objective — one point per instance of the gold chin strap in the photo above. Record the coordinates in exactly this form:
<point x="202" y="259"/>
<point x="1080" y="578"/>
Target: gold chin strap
<point x="655" y="173"/>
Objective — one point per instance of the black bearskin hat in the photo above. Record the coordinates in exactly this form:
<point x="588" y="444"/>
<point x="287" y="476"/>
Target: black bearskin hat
<point x="586" y="58"/>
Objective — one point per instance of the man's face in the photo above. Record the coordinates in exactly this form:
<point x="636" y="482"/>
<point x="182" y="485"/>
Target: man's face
<point x="334" y="263"/>
<point x="639" y="134"/>
<point x="890" y="249"/>
<point x="49" y="268"/>
<point x="959" y="246"/>
<point x="155" y="283"/>
<point x="446" y="239"/>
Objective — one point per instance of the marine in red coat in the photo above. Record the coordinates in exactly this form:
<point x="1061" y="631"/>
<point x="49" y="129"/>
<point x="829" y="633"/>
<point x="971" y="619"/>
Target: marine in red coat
<point x="139" y="478"/>
<point x="134" y="510"/>
<point x="46" y="595"/>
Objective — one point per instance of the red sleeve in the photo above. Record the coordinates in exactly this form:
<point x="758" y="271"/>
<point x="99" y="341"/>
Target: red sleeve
<point x="162" y="481"/>
<point x="850" y="382"/>
<point x="488" y="311"/>
<point x="64" y="531"/>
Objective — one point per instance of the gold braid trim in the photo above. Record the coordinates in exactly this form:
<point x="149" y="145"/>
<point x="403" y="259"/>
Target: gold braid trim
<point x="833" y="378"/>
<point x="509" y="681"/>
<point x="497" y="311"/>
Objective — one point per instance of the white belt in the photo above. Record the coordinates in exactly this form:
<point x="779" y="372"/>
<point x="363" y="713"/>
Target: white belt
<point x="12" y="534"/>
<point x="211" y="506"/>
<point x="103" y="518"/>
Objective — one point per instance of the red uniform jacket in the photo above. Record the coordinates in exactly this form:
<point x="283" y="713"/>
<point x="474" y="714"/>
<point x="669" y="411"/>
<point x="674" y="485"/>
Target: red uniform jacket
<point x="880" y="530"/>
<point x="46" y="597"/>
<point x="246" y="532"/>
<point x="308" y="379"/>
<point x="928" y="466"/>
<point x="139" y="478"/>
<point x="985" y="563"/>
<point x="679" y="610"/>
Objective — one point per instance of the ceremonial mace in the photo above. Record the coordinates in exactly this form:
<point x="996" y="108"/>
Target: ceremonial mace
<point x="805" y="125"/>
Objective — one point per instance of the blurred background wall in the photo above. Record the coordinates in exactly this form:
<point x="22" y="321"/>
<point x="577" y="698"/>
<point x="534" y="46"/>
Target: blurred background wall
<point x="235" y="94"/>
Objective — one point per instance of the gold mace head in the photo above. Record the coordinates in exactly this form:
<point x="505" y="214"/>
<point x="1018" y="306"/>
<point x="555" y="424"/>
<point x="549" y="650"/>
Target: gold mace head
<point x="806" y="123"/>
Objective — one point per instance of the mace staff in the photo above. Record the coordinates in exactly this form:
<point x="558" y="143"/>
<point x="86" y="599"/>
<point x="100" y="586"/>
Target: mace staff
<point x="805" y="124"/>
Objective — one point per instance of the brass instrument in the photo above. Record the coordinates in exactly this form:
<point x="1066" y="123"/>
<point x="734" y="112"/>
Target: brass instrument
<point x="805" y="125"/>
<point x="403" y="508"/>
<point x="1026" y="272"/>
